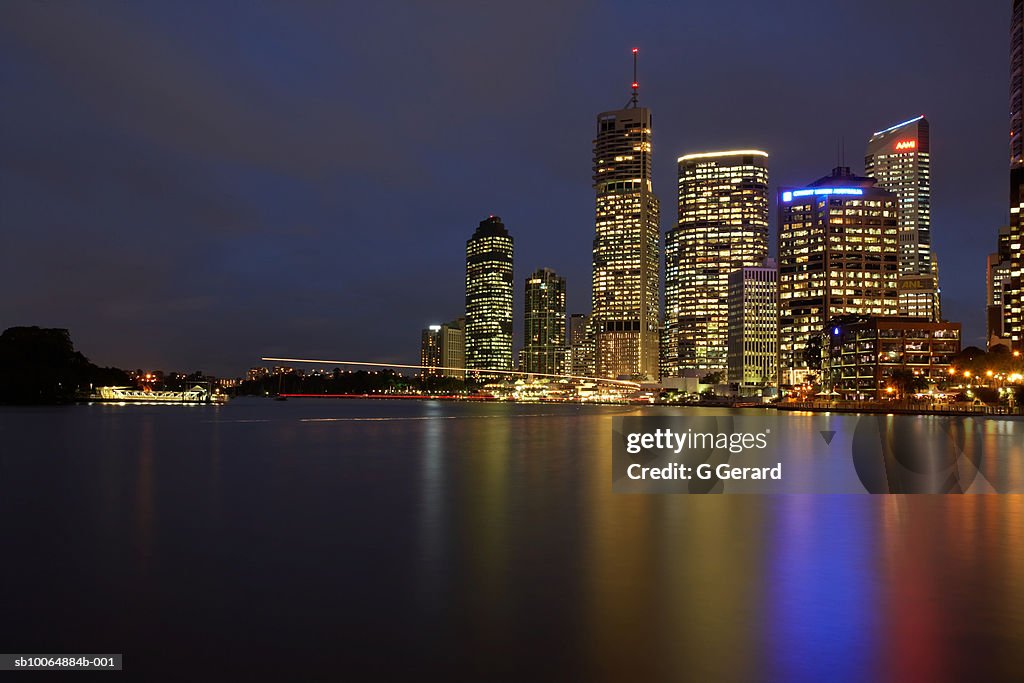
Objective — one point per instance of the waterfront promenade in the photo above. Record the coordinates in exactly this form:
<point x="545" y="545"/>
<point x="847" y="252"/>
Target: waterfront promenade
<point x="900" y="407"/>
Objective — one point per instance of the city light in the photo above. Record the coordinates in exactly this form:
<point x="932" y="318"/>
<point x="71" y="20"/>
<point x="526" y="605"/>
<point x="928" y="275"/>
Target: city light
<point x="900" y="125"/>
<point x="819" y="191"/>
<point x="730" y="153"/>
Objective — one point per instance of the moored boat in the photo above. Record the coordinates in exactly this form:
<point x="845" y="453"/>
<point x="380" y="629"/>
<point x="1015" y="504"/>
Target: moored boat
<point x="196" y="394"/>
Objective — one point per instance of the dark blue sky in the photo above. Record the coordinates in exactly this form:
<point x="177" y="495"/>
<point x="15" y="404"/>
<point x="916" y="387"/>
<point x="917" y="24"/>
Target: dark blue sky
<point x="194" y="185"/>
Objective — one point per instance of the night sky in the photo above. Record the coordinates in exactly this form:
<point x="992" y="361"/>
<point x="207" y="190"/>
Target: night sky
<point x="193" y="185"/>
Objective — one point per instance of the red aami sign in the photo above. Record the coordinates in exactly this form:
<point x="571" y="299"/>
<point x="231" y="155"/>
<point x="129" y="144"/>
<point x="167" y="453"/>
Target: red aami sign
<point x="903" y="145"/>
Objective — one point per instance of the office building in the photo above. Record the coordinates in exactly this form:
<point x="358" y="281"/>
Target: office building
<point x="489" y="285"/>
<point x="430" y="351"/>
<point x="838" y="255"/>
<point x="1013" y="295"/>
<point x="899" y="158"/>
<point x="997" y="285"/>
<point x="453" y="348"/>
<point x="625" y="253"/>
<point x="544" y="323"/>
<point x="863" y="352"/>
<point x="580" y="356"/>
<point x="753" y="339"/>
<point x="722" y="226"/>
<point x="443" y="350"/>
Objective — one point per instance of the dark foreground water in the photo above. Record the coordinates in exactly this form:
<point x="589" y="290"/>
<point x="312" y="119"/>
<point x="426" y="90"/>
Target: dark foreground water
<point x="343" y="539"/>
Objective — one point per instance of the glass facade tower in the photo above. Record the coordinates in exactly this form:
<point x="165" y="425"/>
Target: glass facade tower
<point x="723" y="226"/>
<point x="838" y="255"/>
<point x="899" y="158"/>
<point x="625" y="311"/>
<point x="544" y="323"/>
<point x="489" y="286"/>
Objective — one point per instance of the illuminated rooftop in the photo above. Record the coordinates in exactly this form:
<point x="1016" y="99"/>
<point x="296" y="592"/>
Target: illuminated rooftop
<point x="731" y="153"/>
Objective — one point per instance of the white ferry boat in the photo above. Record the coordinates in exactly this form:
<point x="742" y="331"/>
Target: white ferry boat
<point x="196" y="394"/>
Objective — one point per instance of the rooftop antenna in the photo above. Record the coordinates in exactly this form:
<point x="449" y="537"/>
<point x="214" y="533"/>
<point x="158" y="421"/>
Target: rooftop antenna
<point x="634" y="101"/>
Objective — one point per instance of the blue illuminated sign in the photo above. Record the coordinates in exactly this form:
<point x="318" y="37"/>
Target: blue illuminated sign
<point x="817" y="191"/>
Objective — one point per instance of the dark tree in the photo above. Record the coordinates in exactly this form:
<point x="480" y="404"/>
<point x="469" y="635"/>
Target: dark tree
<point x="716" y="377"/>
<point x="40" y="365"/>
<point x="906" y="382"/>
<point x="812" y="352"/>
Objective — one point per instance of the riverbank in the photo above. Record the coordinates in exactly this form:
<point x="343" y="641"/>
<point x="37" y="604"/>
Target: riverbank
<point x="895" y="408"/>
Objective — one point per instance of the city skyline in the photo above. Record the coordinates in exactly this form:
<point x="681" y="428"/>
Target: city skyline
<point x="251" y="263"/>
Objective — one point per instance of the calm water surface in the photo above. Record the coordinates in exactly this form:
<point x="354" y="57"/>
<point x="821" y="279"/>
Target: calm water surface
<point x="334" y="538"/>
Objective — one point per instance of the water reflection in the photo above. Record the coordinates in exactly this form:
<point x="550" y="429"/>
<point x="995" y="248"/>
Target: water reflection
<point x="485" y="540"/>
<point x="145" y="497"/>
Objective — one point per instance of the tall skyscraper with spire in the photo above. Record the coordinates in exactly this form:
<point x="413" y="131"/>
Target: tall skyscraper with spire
<point x="1013" y="294"/>
<point x="625" y="315"/>
<point x="899" y="158"/>
<point x="489" y="297"/>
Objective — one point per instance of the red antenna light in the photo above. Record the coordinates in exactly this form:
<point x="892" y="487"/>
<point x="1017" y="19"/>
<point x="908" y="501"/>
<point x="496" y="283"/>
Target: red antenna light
<point x="636" y="85"/>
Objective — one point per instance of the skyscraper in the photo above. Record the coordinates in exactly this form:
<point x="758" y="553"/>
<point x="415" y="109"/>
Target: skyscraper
<point x="838" y="255"/>
<point x="453" y="348"/>
<point x="544" y="323"/>
<point x="1017" y="84"/>
<point x="1013" y="295"/>
<point x="489" y="286"/>
<point x="899" y="158"/>
<point x="997" y="281"/>
<point x="754" y="325"/>
<point x="723" y="225"/>
<point x="580" y="358"/>
<point x="443" y="350"/>
<point x="625" y="256"/>
<point x="430" y="351"/>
